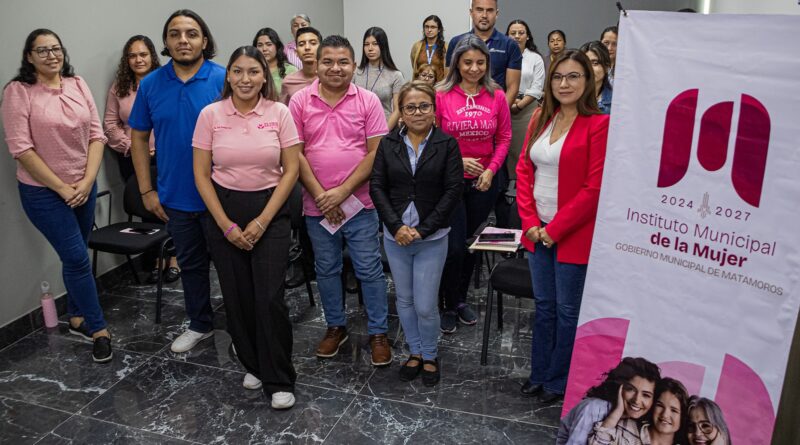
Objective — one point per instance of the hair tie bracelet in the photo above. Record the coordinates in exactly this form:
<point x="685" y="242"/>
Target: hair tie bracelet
<point x="142" y="194"/>
<point x="230" y="229"/>
<point x="260" y="226"/>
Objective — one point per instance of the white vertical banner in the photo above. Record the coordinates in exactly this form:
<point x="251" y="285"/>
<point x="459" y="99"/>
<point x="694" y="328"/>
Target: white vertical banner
<point x="695" y="261"/>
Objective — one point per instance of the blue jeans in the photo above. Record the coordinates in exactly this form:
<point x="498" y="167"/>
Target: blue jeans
<point x="187" y="230"/>
<point x="67" y="230"/>
<point x="416" y="270"/>
<point x="557" y="292"/>
<point x="361" y="236"/>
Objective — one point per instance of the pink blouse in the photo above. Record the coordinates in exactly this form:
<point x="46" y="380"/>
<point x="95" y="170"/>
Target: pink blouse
<point x="57" y="123"/>
<point x="118" y="110"/>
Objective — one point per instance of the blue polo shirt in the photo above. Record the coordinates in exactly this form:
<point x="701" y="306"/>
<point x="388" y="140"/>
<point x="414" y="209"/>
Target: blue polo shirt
<point x="169" y="106"/>
<point x="504" y="54"/>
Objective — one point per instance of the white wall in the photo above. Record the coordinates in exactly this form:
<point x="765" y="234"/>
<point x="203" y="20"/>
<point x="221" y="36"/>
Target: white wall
<point x="94" y="32"/>
<point x="755" y="6"/>
<point x="402" y="21"/>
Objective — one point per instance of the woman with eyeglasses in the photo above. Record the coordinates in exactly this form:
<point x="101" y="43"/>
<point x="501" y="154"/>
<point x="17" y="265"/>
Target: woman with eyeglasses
<point x="432" y="48"/>
<point x="471" y="107"/>
<point x="269" y="43"/>
<point x="53" y="131"/>
<point x="530" y="90"/>
<point x="601" y="65"/>
<point x="609" y="39"/>
<point x="415" y="185"/>
<point x="426" y="73"/>
<point x="378" y="73"/>
<point x="706" y="424"/>
<point x="558" y="186"/>
<point x="613" y="412"/>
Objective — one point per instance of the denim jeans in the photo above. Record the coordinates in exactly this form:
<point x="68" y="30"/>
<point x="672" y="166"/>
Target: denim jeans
<point x="67" y="230"/>
<point x="361" y="236"/>
<point x="557" y="292"/>
<point x="188" y="234"/>
<point x="470" y="213"/>
<point x="416" y="271"/>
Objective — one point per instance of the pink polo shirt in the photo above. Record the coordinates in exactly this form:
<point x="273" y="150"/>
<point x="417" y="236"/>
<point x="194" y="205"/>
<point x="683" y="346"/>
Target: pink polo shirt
<point x="245" y="148"/>
<point x="336" y="138"/>
<point x="115" y="120"/>
<point x="57" y="123"/>
<point x="293" y="83"/>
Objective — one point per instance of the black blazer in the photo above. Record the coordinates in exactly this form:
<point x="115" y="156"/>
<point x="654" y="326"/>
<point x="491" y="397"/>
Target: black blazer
<point x="435" y="188"/>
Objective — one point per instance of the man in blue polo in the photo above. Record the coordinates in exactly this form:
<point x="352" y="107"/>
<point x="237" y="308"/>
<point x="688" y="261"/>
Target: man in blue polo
<point x="168" y="102"/>
<point x="506" y="58"/>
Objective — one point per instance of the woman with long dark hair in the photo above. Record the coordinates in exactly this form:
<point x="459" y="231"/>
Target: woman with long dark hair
<point x="245" y="178"/>
<point x="53" y="131"/>
<point x="269" y="43"/>
<point x="601" y="64"/>
<point x="609" y="39"/>
<point x="139" y="58"/>
<point x="432" y="48"/>
<point x="378" y="73"/>
<point x="666" y="424"/>
<point x="471" y="107"/>
<point x="558" y="186"/>
<point x="626" y="394"/>
<point x="530" y="90"/>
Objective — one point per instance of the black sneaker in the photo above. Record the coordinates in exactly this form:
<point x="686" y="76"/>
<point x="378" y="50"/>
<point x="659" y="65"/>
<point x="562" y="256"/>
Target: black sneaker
<point x="465" y="314"/>
<point x="80" y="331"/>
<point x="101" y="352"/>
<point x="448" y="322"/>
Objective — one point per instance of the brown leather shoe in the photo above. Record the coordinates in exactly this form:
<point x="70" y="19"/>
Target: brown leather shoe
<point x="334" y="337"/>
<point x="381" y="352"/>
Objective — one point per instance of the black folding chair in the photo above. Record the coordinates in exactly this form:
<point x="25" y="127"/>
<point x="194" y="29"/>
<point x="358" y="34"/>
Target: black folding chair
<point x="511" y="276"/>
<point x="132" y="237"/>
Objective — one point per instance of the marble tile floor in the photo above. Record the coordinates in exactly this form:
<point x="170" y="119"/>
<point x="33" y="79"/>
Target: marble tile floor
<point x="51" y="391"/>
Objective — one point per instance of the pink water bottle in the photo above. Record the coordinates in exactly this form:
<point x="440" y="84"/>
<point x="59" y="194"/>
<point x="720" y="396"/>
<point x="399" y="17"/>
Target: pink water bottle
<point x="49" y="306"/>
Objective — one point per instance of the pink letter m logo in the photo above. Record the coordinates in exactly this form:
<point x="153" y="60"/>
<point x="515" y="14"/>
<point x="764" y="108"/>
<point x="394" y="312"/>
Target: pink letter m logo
<point x="750" y="151"/>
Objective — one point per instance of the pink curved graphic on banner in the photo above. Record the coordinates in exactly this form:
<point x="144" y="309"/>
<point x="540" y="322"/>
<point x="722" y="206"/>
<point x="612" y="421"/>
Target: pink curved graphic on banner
<point x="750" y="154"/>
<point x="745" y="403"/>
<point x="598" y="348"/>
<point x="676" y="147"/>
<point x="715" y="129"/>
<point x="690" y="374"/>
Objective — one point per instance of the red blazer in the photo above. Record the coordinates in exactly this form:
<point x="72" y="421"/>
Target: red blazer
<point x="580" y="172"/>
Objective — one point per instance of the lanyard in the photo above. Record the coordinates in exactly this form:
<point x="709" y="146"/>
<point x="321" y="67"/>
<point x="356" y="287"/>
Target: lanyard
<point x="430" y="51"/>
<point x="366" y="82"/>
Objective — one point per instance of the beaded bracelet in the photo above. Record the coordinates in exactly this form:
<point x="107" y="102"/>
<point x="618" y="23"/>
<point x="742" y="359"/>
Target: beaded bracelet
<point x="230" y="229"/>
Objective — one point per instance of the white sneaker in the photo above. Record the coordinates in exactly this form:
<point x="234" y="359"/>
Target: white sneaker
<point x="251" y="381"/>
<point x="188" y="340"/>
<point x="282" y="400"/>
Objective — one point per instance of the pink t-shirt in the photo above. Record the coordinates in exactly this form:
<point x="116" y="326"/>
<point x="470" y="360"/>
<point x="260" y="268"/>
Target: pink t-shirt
<point x="245" y="149"/>
<point x="481" y="124"/>
<point x="115" y="120"/>
<point x="336" y="138"/>
<point x="293" y="83"/>
<point x="57" y="123"/>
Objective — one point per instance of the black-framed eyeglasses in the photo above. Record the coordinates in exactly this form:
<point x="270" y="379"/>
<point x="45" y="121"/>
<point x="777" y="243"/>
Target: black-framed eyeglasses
<point x="424" y="108"/>
<point x="42" y="52"/>
<point x="571" y="77"/>
<point x="705" y="427"/>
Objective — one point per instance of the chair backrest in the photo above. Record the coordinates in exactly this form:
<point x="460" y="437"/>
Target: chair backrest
<point x="295" y="203"/>
<point x="132" y="200"/>
<point x="514" y="221"/>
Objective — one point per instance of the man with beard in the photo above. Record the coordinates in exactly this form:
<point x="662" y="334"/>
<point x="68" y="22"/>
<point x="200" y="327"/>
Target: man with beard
<point x="506" y="59"/>
<point x="340" y="126"/>
<point x="168" y="102"/>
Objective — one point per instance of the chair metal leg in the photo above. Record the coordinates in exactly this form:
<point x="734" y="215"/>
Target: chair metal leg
<point x="133" y="270"/>
<point x="360" y="292"/>
<point x="477" y="272"/>
<point x="499" y="311"/>
<point x="159" y="286"/>
<point x="306" y="275"/>
<point x="487" y="321"/>
<point x="94" y="264"/>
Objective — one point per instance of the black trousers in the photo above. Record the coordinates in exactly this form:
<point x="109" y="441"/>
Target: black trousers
<point x="253" y="290"/>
